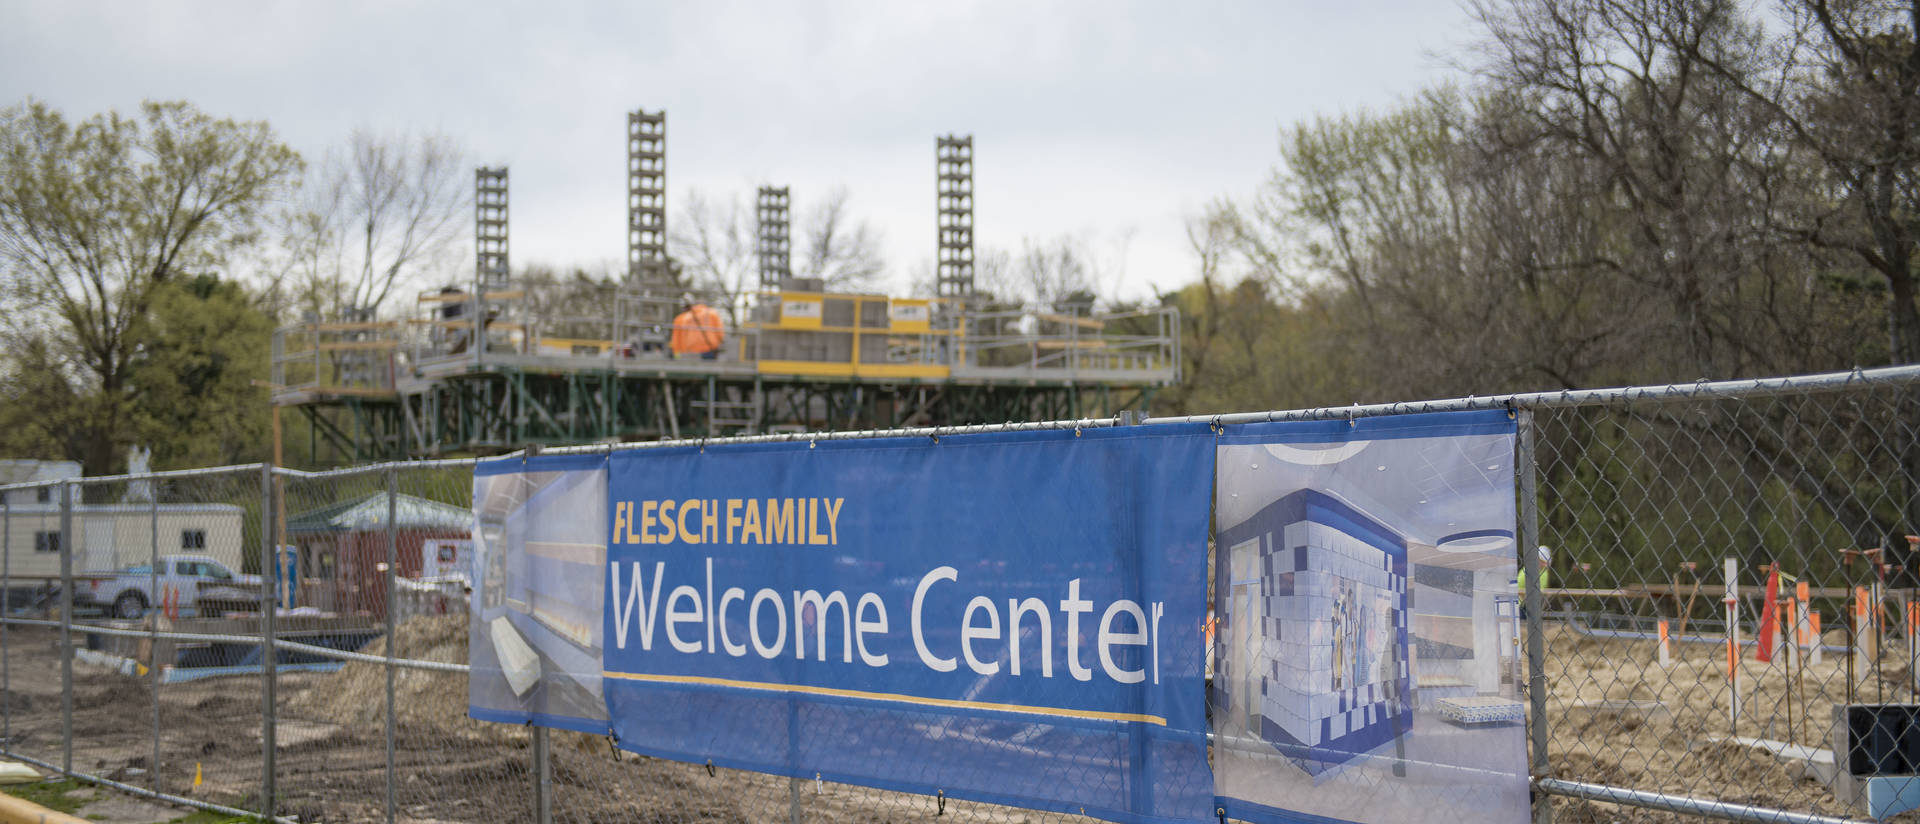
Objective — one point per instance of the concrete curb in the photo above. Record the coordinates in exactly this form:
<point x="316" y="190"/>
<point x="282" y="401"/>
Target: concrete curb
<point x="17" y="810"/>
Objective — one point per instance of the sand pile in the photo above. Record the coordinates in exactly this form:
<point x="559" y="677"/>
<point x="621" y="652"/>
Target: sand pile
<point x="424" y="700"/>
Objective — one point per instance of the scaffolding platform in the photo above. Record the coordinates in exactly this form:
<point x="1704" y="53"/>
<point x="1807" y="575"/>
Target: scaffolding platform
<point x="471" y="374"/>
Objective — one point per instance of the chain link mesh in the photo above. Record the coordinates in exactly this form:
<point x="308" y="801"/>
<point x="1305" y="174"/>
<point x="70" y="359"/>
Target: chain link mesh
<point x="1642" y="503"/>
<point x="1646" y="507"/>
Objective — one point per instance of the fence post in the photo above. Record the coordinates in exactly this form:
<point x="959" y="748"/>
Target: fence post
<point x="66" y="627"/>
<point x="542" y="777"/>
<point x="269" y="651"/>
<point x="393" y="576"/>
<point x="153" y="625"/>
<point x="1536" y="620"/>
<point x="542" y="754"/>
<point x="6" y="618"/>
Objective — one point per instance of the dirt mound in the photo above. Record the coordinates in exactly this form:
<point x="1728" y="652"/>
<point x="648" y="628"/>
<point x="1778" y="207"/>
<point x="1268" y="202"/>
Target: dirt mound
<point x="114" y="692"/>
<point x="431" y="701"/>
<point x="1616" y="717"/>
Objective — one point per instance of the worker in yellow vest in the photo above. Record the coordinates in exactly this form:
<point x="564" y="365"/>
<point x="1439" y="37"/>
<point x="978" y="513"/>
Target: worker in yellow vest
<point x="1545" y="557"/>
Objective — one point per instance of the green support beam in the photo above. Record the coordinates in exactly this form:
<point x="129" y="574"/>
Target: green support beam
<point x="502" y="408"/>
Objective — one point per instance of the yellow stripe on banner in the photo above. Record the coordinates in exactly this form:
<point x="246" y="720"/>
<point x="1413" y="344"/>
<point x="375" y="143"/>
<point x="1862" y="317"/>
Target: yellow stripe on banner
<point x="888" y="696"/>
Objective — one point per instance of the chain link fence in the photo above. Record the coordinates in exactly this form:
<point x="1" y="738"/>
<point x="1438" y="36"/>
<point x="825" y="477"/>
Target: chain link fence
<point x="134" y="650"/>
<point x="1727" y="573"/>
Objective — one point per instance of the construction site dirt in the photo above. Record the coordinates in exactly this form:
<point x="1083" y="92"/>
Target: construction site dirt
<point x="1617" y="717"/>
<point x="331" y="753"/>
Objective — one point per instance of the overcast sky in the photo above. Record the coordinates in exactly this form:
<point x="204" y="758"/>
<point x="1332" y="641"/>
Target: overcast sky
<point x="1113" y="121"/>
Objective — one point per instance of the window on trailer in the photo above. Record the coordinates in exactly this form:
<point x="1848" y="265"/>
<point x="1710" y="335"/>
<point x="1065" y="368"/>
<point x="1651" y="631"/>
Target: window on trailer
<point x="44" y="541"/>
<point x="193" y="540"/>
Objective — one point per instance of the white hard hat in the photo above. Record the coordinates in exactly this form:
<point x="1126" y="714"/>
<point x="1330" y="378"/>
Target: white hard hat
<point x="1546" y="555"/>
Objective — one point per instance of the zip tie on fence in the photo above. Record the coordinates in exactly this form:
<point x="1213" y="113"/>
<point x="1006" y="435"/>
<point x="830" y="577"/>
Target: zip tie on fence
<point x="710" y="771"/>
<point x="940" y="796"/>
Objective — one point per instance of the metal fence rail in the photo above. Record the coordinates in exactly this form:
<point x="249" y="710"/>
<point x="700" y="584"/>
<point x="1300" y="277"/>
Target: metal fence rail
<point x="1643" y="494"/>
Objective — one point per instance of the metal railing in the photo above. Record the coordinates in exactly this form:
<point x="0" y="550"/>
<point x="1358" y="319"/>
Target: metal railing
<point x="355" y="709"/>
<point x="373" y="359"/>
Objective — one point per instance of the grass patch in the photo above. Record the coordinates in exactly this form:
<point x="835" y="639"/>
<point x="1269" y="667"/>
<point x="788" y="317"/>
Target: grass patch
<point x="211" y="817"/>
<point x="70" y="796"/>
<point x="66" y="796"/>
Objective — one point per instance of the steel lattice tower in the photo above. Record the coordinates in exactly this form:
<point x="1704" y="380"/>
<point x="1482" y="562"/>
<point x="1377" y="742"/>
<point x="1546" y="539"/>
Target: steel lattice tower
<point x="490" y="227"/>
<point x="647" y="196"/>
<point x="953" y="176"/>
<point x="774" y="247"/>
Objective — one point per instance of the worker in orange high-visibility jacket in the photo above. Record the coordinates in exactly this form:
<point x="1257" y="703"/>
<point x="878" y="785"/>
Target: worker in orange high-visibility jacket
<point x="697" y="330"/>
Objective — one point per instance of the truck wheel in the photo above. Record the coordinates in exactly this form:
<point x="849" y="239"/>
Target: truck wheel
<point x="129" y="606"/>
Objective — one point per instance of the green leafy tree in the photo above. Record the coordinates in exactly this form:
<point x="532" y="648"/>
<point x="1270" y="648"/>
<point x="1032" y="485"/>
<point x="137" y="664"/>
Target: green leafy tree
<point x="200" y="380"/>
<point x="97" y="218"/>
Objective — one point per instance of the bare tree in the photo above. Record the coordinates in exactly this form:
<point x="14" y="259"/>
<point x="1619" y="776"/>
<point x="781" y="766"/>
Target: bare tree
<point x="839" y="248"/>
<point x="1058" y="273"/>
<point x="1844" y="81"/>
<point x="713" y="241"/>
<point x="572" y="302"/>
<point x="386" y="212"/>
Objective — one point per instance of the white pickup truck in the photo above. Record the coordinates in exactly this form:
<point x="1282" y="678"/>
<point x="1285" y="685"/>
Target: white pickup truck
<point x="190" y="582"/>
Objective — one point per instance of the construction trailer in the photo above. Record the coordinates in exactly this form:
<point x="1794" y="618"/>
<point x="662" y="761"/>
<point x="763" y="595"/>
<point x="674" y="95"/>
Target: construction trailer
<point x="115" y="536"/>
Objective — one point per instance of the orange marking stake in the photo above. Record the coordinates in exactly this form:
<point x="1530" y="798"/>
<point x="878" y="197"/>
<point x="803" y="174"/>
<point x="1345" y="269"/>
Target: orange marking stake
<point x="1863" y="625"/>
<point x="1913" y="645"/>
<point x="1666" y="659"/>
<point x="1816" y="645"/>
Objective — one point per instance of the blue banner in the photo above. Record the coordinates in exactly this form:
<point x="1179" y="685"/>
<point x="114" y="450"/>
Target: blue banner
<point x="1012" y="618"/>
